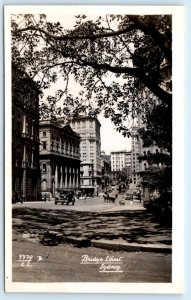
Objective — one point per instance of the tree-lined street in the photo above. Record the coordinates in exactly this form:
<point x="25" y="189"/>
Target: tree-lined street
<point x="119" y="66"/>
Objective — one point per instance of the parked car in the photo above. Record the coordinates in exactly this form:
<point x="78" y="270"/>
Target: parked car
<point x="17" y="197"/>
<point x="65" y="197"/>
<point x="122" y="201"/>
<point x="128" y="196"/>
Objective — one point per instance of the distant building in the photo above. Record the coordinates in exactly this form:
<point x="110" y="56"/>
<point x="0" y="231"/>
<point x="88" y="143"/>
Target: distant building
<point x="59" y="157"/>
<point x="135" y="165"/>
<point x="87" y="178"/>
<point x="90" y="149"/>
<point x="121" y="161"/>
<point x="25" y="139"/>
<point x="106" y="170"/>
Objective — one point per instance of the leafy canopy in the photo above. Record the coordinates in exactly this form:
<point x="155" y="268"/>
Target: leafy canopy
<point x="113" y="58"/>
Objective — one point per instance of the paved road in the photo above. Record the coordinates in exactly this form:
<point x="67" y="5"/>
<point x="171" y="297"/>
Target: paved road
<point x="95" y="204"/>
<point x="93" y="222"/>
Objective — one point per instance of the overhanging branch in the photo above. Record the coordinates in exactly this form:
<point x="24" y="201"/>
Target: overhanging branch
<point x="135" y="72"/>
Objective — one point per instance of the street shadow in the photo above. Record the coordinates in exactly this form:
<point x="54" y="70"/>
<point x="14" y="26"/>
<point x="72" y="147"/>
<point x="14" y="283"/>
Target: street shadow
<point x="130" y="226"/>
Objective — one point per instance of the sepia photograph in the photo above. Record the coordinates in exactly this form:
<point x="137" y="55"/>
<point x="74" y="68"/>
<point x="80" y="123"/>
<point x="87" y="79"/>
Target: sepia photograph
<point x="91" y="193"/>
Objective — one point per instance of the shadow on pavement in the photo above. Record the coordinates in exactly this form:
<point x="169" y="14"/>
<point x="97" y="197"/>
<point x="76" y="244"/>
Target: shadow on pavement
<point x="130" y="226"/>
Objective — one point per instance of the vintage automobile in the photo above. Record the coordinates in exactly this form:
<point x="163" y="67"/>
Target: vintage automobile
<point x="122" y="201"/>
<point x="65" y="197"/>
<point x="17" y="197"/>
<point x="128" y="196"/>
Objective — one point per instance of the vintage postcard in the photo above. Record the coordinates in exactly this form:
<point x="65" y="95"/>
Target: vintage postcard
<point x="94" y="149"/>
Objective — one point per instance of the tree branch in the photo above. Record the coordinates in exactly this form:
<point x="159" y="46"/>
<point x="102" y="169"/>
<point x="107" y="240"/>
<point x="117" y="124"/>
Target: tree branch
<point x="136" y="24"/>
<point x="136" y="72"/>
<point x="155" y="34"/>
<point x="77" y="36"/>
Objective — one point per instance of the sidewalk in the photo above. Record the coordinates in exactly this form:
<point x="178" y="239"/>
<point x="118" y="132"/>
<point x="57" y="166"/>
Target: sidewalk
<point x="127" y="230"/>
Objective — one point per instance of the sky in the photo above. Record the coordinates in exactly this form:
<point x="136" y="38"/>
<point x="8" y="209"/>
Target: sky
<point x="110" y="139"/>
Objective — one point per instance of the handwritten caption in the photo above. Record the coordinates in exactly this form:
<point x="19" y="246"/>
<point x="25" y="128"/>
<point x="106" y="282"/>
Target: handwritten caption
<point x="26" y="260"/>
<point x="108" y="264"/>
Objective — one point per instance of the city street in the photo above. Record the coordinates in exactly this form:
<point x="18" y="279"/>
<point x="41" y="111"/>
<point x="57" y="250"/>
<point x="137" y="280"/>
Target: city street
<point x="60" y="235"/>
<point x="95" y="204"/>
<point x="91" y="166"/>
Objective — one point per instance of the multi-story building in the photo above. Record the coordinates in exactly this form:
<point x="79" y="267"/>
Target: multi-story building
<point x="59" y="157"/>
<point x="120" y="161"/>
<point x="90" y="149"/>
<point x="106" y="170"/>
<point x="25" y="138"/>
<point x="128" y="160"/>
<point x="145" y="168"/>
<point x="135" y="165"/>
<point x="87" y="178"/>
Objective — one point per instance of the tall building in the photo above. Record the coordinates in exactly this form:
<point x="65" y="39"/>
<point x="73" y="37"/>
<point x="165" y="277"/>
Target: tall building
<point x="106" y="170"/>
<point x="59" y="157"/>
<point x="90" y="151"/>
<point x="121" y="161"/>
<point x="25" y="138"/>
<point x="147" y="178"/>
<point x="128" y="160"/>
<point x="135" y="165"/>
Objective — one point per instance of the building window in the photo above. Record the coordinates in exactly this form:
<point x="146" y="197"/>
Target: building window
<point x="44" y="169"/>
<point x="44" y="145"/>
<point x="52" y="146"/>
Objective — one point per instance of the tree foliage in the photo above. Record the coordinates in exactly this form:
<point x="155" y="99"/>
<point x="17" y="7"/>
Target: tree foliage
<point x="113" y="58"/>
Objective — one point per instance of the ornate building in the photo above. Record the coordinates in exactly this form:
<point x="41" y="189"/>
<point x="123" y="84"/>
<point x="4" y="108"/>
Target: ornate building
<point x="59" y="157"/>
<point x="106" y="170"/>
<point x="90" y="151"/>
<point x="25" y="137"/>
<point x="135" y="164"/>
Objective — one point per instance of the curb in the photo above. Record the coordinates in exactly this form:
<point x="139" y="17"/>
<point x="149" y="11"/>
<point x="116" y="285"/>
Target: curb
<point x="132" y="247"/>
<point x="108" y="245"/>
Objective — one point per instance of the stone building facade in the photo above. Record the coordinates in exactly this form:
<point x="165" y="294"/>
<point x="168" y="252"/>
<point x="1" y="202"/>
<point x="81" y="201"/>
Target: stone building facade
<point x="59" y="157"/>
<point x="90" y="150"/>
<point x="106" y="170"/>
<point x="135" y="164"/>
<point x="25" y="137"/>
